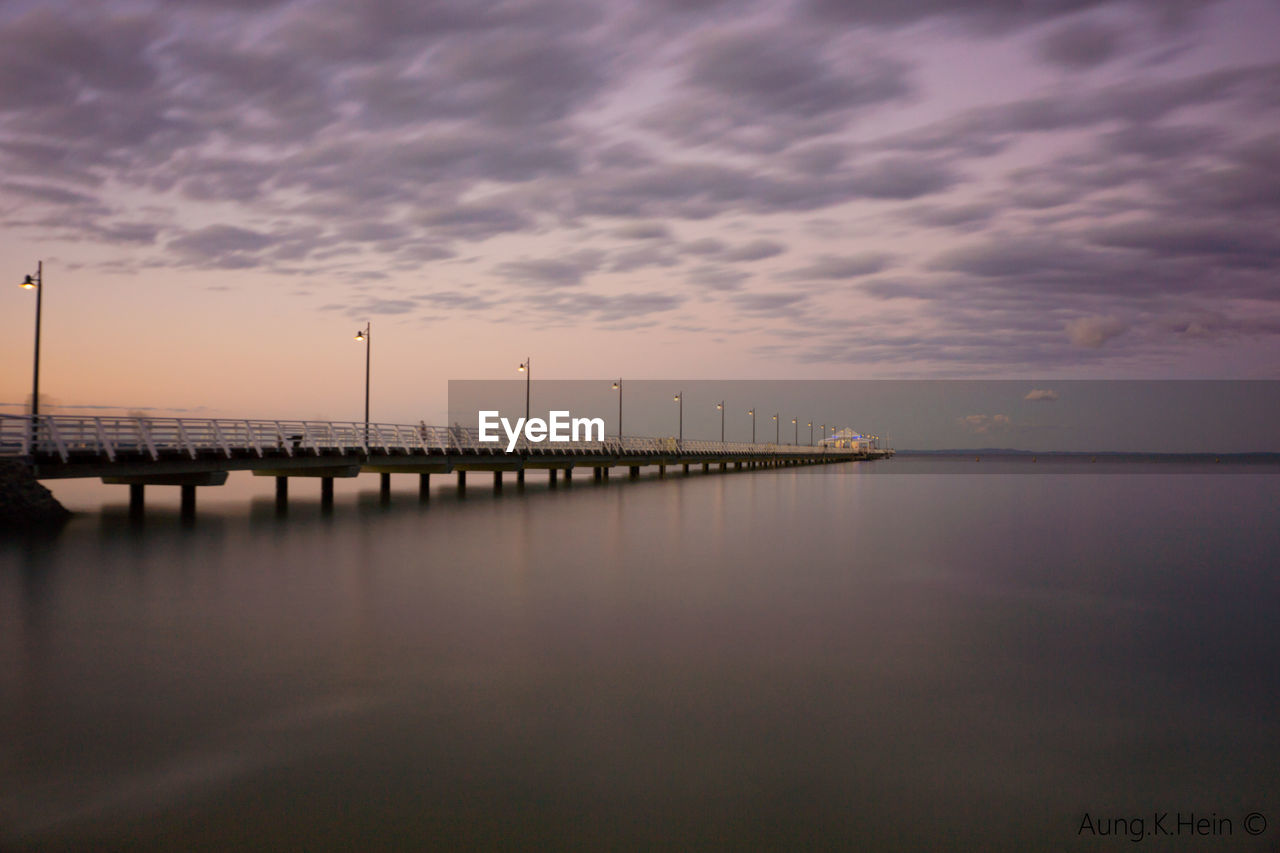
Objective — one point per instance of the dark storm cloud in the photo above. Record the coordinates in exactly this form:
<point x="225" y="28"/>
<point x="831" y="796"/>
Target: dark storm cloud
<point x="1084" y="44"/>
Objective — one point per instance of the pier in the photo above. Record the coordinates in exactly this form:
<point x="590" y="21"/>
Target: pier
<point x="190" y="453"/>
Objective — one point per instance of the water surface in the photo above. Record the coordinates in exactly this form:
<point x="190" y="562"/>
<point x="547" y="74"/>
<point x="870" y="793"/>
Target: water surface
<point x="771" y="659"/>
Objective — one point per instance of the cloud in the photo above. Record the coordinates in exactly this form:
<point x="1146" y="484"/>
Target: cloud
<point x="1041" y="395"/>
<point x="643" y="231"/>
<point x="756" y="250"/>
<point x="1093" y="332"/>
<point x="717" y="278"/>
<point x="835" y="267"/>
<point x="568" y="272"/>
<point x="986" y="424"/>
<point x="226" y="246"/>
<point x="1080" y="45"/>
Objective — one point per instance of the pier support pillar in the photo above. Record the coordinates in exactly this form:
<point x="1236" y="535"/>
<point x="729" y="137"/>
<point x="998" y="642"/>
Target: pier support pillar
<point x="635" y="472"/>
<point x="606" y="475"/>
<point x="568" y="476"/>
<point x="597" y="474"/>
<point x="520" y="479"/>
<point x="662" y="470"/>
<point x="282" y="493"/>
<point x="326" y="492"/>
<point x="384" y="487"/>
<point x="737" y="466"/>
<point x="424" y="487"/>
<point x="462" y="483"/>
<point x="136" y="500"/>
<point x="706" y="467"/>
<point x="188" y="502"/>
<point x="497" y="482"/>
<point x="551" y="477"/>
<point x="686" y="468"/>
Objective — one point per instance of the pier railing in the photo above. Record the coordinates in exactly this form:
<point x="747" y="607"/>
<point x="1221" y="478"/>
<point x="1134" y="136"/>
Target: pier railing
<point x="65" y="436"/>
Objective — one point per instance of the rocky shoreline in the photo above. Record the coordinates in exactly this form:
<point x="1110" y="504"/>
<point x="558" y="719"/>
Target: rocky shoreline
<point x="23" y="501"/>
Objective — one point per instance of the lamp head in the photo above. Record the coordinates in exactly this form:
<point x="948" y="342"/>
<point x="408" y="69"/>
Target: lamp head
<point x="360" y="335"/>
<point x="521" y="368"/>
<point x="28" y="283"/>
<point x="615" y="386"/>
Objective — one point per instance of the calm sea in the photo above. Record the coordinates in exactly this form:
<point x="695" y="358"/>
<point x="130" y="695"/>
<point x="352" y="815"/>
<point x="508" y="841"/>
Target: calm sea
<point x="912" y="654"/>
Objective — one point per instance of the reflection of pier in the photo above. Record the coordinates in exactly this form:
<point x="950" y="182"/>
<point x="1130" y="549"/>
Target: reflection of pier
<point x="189" y="452"/>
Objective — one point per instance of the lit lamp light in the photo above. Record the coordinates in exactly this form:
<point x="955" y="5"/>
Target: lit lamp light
<point x="35" y="283"/>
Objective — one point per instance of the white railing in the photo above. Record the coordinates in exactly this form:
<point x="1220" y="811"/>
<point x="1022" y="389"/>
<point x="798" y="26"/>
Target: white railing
<point x="109" y="437"/>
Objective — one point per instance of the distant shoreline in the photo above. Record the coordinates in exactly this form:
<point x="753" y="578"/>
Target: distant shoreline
<point x="1100" y="454"/>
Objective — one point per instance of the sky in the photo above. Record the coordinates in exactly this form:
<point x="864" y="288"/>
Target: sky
<point x="223" y="191"/>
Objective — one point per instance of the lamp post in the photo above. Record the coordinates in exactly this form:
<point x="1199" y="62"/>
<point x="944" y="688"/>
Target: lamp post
<point x="777" y="426"/>
<point x="35" y="283"/>
<point x="617" y="386"/>
<point x="811" y="433"/>
<point x="679" y="398"/>
<point x="796" y="426"/>
<point x="752" y="412"/>
<point x="527" y="370"/>
<point x="720" y="406"/>
<point x="824" y="432"/>
<point x="365" y="336"/>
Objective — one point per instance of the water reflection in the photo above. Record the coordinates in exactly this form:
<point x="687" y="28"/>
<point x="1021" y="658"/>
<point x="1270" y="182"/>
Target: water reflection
<point x="770" y="659"/>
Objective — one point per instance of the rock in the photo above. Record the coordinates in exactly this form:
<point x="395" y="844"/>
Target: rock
<point x="23" y="501"/>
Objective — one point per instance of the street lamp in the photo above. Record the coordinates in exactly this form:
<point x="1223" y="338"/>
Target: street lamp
<point x="679" y="398"/>
<point x="796" y="425"/>
<point x="752" y="412"/>
<point x="720" y="406"/>
<point x="811" y="433"/>
<point x="777" y="435"/>
<point x="35" y="283"/>
<point x="365" y="336"/>
<point x="617" y="386"/>
<point x="528" y="377"/>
